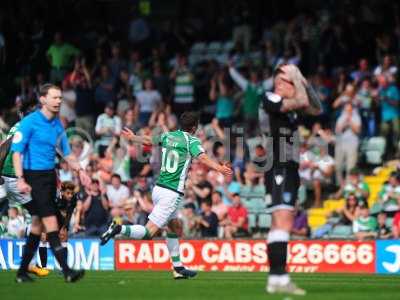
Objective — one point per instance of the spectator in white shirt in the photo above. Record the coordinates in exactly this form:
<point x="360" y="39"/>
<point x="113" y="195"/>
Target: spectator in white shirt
<point x="147" y="102"/>
<point x="117" y="194"/>
<point x="386" y="68"/>
<point x="108" y="125"/>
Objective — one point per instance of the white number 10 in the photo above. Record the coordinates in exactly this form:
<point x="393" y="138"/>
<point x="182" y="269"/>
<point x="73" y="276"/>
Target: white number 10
<point x="169" y="160"/>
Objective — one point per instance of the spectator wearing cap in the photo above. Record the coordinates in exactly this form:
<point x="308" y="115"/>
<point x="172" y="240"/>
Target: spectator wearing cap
<point x="365" y="226"/>
<point x="108" y="125"/>
<point x="208" y="221"/>
<point x="347" y="129"/>
<point x="148" y="101"/>
<point x="237" y="225"/>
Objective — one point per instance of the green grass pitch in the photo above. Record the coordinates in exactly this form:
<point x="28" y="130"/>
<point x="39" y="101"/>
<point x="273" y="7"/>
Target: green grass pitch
<point x="160" y="285"/>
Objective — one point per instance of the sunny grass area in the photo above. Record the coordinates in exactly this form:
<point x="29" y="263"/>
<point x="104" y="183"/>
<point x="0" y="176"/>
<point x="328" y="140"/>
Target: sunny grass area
<point x="232" y="286"/>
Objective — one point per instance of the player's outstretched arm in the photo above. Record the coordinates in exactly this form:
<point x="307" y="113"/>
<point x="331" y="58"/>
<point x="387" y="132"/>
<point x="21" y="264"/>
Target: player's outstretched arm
<point x="129" y="135"/>
<point x="223" y="169"/>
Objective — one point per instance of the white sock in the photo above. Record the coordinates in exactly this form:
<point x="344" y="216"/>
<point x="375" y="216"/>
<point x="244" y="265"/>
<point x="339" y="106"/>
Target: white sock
<point x="173" y="248"/>
<point x="279" y="279"/>
<point x="137" y="232"/>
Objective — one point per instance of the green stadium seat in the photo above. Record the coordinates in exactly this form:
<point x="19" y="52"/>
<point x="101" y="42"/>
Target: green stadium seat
<point x="376" y="209"/>
<point x="389" y="223"/>
<point x="264" y="221"/>
<point x="341" y="232"/>
<point x="252" y="218"/>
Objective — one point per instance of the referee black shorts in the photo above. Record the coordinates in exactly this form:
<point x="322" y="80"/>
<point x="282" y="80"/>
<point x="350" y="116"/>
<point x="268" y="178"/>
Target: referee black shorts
<point x="282" y="183"/>
<point x="44" y="190"/>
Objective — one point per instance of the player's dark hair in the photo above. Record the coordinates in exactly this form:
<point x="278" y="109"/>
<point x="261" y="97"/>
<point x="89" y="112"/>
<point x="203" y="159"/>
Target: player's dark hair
<point x="67" y="185"/>
<point x="44" y="89"/>
<point x="188" y="120"/>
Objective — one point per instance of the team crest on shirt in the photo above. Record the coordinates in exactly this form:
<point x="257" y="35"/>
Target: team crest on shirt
<point x="279" y="179"/>
<point x="17" y="137"/>
<point x="287" y="197"/>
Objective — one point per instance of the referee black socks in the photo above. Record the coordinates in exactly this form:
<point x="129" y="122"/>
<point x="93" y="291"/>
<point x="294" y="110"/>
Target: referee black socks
<point x="58" y="250"/>
<point x="31" y="245"/>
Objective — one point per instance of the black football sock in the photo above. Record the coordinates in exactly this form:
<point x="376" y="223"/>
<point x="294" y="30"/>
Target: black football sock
<point x="58" y="250"/>
<point x="30" y="248"/>
<point x="43" y="257"/>
<point x="277" y="251"/>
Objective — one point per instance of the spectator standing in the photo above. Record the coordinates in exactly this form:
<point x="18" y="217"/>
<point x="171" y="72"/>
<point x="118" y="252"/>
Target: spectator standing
<point x="148" y="101"/>
<point x="104" y="92"/>
<point x="347" y="130"/>
<point x="184" y="86"/>
<point x="80" y="82"/>
<point x="116" y="63"/>
<point x="59" y="55"/>
<point x="364" y="101"/>
<point x="252" y="96"/>
<point x="107" y="126"/>
<point x="389" y="100"/>
<point x="221" y="92"/>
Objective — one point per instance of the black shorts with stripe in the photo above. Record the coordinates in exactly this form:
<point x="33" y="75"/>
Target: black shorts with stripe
<point x="282" y="183"/>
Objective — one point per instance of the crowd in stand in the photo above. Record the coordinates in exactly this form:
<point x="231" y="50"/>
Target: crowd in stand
<point x="109" y="84"/>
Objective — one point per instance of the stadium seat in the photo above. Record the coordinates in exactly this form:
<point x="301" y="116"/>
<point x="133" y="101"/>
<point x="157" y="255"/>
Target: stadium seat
<point x="374" y="150"/>
<point x="341" y="232"/>
<point x="264" y="221"/>
<point x="228" y="46"/>
<point x="389" y="223"/>
<point x="198" y="48"/>
<point x="252" y="218"/>
<point x="214" y="48"/>
<point x="376" y="209"/>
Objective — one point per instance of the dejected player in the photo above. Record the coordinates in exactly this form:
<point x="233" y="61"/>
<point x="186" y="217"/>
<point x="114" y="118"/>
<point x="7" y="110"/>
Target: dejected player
<point x="69" y="203"/>
<point x="292" y="95"/>
<point x="178" y="148"/>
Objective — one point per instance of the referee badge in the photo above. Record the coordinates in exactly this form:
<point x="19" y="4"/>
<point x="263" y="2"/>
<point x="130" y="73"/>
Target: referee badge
<point x="287" y="197"/>
<point x="17" y="137"/>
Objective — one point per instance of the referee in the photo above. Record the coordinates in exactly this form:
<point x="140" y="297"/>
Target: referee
<point x="292" y="95"/>
<point x="39" y="136"/>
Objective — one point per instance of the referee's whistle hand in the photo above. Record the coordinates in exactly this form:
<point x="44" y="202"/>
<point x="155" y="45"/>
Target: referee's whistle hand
<point x="23" y="187"/>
